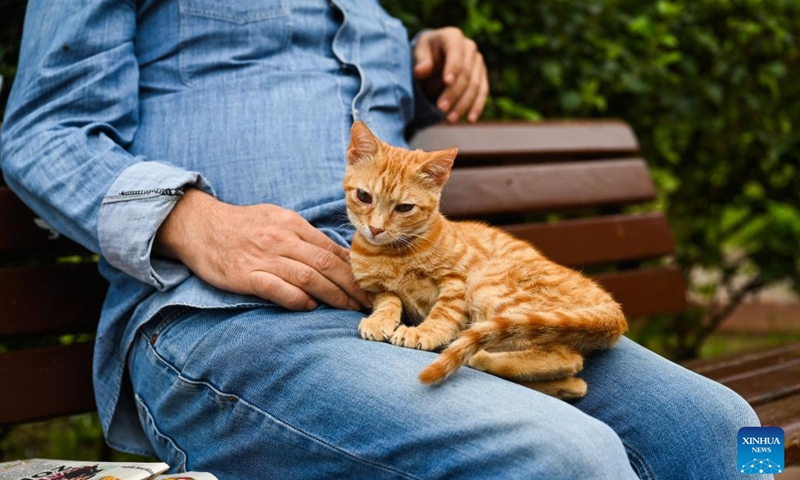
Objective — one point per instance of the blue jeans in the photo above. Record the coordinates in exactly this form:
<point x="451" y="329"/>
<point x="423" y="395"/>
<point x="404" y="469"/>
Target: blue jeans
<point x="267" y="393"/>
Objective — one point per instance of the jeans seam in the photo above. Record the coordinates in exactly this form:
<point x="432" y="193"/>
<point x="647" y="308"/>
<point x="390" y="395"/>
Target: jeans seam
<point x="173" y="445"/>
<point x="168" y="316"/>
<point x="284" y="424"/>
<point x="639" y="464"/>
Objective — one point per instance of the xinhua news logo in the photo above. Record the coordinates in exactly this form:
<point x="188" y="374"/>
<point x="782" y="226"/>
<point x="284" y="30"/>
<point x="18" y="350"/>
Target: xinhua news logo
<point x="760" y="450"/>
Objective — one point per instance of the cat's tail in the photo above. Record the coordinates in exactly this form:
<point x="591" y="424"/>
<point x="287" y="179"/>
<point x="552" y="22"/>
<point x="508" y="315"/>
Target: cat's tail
<point x="458" y="353"/>
<point x="583" y="329"/>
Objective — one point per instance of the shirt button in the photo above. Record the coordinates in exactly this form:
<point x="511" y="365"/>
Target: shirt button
<point x="343" y="66"/>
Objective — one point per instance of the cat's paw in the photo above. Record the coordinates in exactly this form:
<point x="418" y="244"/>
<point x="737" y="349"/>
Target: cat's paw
<point x="377" y="327"/>
<point x="412" y="337"/>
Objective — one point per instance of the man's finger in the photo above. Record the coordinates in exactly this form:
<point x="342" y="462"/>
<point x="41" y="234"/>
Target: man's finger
<point x="453" y="47"/>
<point x="480" y="100"/>
<point x="453" y="94"/>
<point x="330" y="266"/>
<point x="274" y="289"/>
<point x="462" y="66"/>
<point x="470" y="91"/>
<point x="468" y="96"/>
<point x="342" y="273"/>
<point x="308" y="233"/>
<point x="312" y="282"/>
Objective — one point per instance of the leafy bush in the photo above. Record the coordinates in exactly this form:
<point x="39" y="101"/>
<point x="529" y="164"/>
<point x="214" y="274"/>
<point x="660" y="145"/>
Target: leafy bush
<point x="708" y="85"/>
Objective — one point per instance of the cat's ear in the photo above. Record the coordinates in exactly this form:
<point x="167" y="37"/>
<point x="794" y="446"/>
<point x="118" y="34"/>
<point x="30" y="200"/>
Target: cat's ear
<point x="438" y="167"/>
<point x="363" y="143"/>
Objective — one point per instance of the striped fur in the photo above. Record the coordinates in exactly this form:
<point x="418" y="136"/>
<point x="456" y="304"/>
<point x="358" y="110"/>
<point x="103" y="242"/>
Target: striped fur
<point x="493" y="300"/>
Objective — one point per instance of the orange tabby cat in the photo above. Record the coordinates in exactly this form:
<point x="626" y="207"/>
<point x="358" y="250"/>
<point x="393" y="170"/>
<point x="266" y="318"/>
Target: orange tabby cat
<point x="511" y="311"/>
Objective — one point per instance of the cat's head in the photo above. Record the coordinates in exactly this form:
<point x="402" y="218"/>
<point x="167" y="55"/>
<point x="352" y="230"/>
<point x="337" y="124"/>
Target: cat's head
<point x="393" y="193"/>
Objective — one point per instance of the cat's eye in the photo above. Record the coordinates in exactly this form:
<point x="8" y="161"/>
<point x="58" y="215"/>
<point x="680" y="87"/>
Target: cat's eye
<point x="404" y="207"/>
<point x="363" y="196"/>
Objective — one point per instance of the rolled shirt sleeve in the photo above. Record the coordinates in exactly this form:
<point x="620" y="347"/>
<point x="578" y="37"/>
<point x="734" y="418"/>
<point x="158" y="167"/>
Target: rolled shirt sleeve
<point x="132" y="211"/>
<point x="72" y="112"/>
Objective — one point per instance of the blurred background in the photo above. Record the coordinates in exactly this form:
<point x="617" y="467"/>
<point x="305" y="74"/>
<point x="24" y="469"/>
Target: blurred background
<point x="711" y="89"/>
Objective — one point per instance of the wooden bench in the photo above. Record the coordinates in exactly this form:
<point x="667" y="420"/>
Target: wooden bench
<point x="564" y="186"/>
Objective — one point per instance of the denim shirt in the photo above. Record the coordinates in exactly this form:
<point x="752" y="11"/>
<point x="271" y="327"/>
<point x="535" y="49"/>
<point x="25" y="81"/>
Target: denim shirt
<point x="119" y="106"/>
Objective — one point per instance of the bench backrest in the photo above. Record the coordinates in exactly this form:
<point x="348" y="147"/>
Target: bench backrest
<point x="564" y="186"/>
<point x="575" y="180"/>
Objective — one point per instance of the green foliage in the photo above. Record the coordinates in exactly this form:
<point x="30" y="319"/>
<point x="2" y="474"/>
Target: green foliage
<point x="710" y="88"/>
<point x="78" y="437"/>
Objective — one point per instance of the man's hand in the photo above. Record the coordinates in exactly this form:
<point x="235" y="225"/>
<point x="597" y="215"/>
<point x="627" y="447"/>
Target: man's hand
<point x="452" y="72"/>
<point x="262" y="250"/>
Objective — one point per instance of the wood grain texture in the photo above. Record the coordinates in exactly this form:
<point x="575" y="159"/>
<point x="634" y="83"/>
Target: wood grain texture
<point x="543" y="139"/>
<point x="50" y="299"/>
<point x="724" y="367"/>
<point x="768" y="383"/>
<point x="46" y="382"/>
<point x="651" y="291"/>
<point x="607" y="239"/>
<point x="760" y="377"/>
<point x="546" y="187"/>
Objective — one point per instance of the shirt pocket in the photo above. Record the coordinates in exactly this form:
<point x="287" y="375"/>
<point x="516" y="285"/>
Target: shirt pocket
<point x="223" y="40"/>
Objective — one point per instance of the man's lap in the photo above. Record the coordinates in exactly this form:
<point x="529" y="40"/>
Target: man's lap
<point x="302" y="393"/>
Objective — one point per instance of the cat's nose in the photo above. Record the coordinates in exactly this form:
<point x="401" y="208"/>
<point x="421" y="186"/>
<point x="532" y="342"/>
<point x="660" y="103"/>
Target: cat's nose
<point x="375" y="231"/>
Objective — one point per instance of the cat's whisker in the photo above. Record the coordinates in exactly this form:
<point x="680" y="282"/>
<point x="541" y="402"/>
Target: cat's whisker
<point x="342" y="220"/>
<point x="407" y="240"/>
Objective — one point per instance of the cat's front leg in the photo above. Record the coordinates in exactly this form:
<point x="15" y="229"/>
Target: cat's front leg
<point x="386" y="314"/>
<point x="444" y="322"/>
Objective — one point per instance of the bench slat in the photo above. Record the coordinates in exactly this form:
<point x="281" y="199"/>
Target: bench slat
<point x="553" y="138"/>
<point x="784" y="413"/>
<point x="18" y="231"/>
<point x="727" y="367"/>
<point x="46" y="382"/>
<point x="767" y="383"/>
<point x="50" y="299"/>
<point x="546" y="187"/>
<point x="593" y="241"/>
<point x="645" y="292"/>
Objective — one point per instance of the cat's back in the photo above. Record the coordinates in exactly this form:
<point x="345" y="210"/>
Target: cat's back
<point x="492" y="242"/>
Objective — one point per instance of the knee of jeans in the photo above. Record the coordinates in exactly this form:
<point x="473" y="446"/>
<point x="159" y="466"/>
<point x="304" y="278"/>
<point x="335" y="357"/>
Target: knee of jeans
<point x="731" y="412"/>
<point x="574" y="447"/>
<point x="591" y="450"/>
<point x="714" y="412"/>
